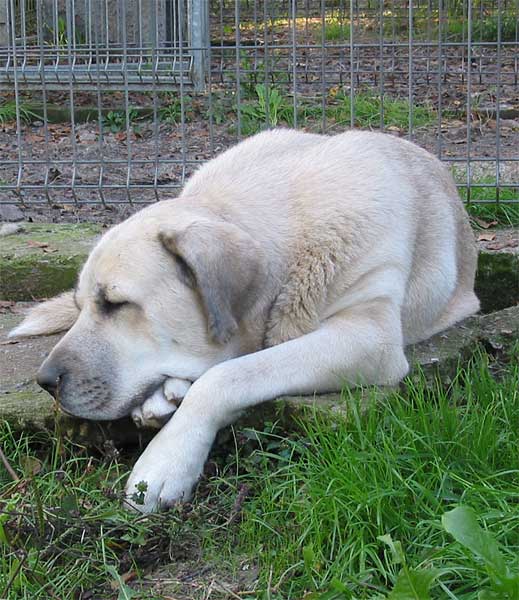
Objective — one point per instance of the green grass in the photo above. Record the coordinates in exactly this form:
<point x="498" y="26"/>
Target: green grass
<point x="483" y="29"/>
<point x="506" y="215"/>
<point x="394" y="469"/>
<point x="270" y="106"/>
<point x="8" y="113"/>
<point x="483" y="201"/>
<point x="370" y="111"/>
<point x="306" y="508"/>
<point x="336" y="30"/>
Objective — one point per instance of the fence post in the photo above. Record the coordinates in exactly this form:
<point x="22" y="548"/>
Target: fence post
<point x="198" y="39"/>
<point x="4" y="25"/>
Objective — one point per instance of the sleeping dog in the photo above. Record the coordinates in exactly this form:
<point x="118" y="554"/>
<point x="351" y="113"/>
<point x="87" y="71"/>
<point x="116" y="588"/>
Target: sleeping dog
<point x="292" y="263"/>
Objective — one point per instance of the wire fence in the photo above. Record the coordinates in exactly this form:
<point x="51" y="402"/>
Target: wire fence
<point x="118" y="101"/>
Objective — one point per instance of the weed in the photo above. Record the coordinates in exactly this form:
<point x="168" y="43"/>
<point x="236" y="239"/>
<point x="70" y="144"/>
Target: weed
<point x="462" y="524"/>
<point x="335" y="29"/>
<point x="60" y="37"/>
<point x="8" y="113"/>
<point x="219" y="108"/>
<point x="410" y="583"/>
<point x="254" y="73"/>
<point x="268" y="108"/>
<point x="506" y="215"/>
<point x="370" y="111"/>
<point x="171" y="112"/>
<point x="483" y="201"/>
<point x="115" y="120"/>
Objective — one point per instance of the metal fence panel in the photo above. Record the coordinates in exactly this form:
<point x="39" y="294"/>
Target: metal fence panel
<point x="118" y="101"/>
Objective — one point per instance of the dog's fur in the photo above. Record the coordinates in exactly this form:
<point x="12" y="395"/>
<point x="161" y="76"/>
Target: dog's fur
<point x="291" y="264"/>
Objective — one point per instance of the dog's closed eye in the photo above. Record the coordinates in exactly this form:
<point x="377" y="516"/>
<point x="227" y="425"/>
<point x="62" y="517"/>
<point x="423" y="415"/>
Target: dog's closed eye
<point x="107" y="306"/>
<point x="115" y="305"/>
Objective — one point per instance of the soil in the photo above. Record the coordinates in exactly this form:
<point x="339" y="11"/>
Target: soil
<point x="498" y="240"/>
<point x="181" y="147"/>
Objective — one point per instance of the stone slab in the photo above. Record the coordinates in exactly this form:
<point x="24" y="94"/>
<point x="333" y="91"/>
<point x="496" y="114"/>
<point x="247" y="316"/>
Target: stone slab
<point x="42" y="260"/>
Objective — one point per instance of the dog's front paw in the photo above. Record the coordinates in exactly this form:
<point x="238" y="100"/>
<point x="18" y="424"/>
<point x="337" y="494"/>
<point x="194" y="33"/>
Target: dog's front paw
<point x="157" y="409"/>
<point x="158" y="481"/>
<point x="169" y="468"/>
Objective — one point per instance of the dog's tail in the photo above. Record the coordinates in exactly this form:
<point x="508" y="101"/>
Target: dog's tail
<point x="53" y="316"/>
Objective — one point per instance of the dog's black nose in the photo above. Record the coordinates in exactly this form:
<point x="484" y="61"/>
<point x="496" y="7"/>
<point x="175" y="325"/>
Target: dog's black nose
<point x="48" y="378"/>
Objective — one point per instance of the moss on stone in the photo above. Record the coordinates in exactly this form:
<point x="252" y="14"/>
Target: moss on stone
<point x="29" y="271"/>
<point x="497" y="280"/>
<point x="43" y="260"/>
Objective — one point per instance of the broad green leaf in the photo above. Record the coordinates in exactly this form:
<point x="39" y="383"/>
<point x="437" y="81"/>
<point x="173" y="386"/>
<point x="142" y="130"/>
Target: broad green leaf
<point x="462" y="524"/>
<point x="396" y="548"/>
<point x="3" y="536"/>
<point x="135" y="537"/>
<point x="309" y="557"/>
<point x="413" y="584"/>
<point x="489" y="595"/>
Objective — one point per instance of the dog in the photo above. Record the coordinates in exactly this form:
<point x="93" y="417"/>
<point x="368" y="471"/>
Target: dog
<point x="292" y="263"/>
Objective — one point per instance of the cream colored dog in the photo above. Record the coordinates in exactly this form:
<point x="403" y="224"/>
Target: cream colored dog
<point x="290" y="264"/>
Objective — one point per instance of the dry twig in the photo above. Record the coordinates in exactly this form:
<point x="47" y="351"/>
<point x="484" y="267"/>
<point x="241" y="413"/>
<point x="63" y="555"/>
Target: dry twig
<point x="8" y="467"/>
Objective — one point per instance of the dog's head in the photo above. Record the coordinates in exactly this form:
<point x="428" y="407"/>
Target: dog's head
<point x="163" y="294"/>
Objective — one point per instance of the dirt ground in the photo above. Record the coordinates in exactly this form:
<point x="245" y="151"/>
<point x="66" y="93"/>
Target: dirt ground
<point x="179" y="148"/>
<point x="61" y="206"/>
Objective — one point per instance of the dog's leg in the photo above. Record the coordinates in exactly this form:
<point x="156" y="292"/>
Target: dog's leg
<point x="361" y="344"/>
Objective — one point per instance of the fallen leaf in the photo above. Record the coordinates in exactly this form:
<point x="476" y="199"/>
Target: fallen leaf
<point x="503" y="244"/>
<point x="486" y="237"/>
<point x="31" y="465"/>
<point x="129" y="576"/>
<point x="34" y="138"/>
<point x="485" y="224"/>
<point x="36" y="244"/>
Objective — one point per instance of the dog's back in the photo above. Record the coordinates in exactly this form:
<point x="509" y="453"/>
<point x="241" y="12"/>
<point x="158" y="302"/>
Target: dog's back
<point x="357" y="200"/>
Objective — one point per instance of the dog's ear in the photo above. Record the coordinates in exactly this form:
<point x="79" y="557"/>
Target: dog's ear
<point x="53" y="316"/>
<point x="226" y="267"/>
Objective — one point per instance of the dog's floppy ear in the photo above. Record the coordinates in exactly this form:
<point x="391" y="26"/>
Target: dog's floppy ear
<point x="224" y="264"/>
<point x="53" y="316"/>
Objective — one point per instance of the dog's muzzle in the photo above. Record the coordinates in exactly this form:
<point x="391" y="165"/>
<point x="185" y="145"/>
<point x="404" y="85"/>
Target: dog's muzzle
<point x="49" y="377"/>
